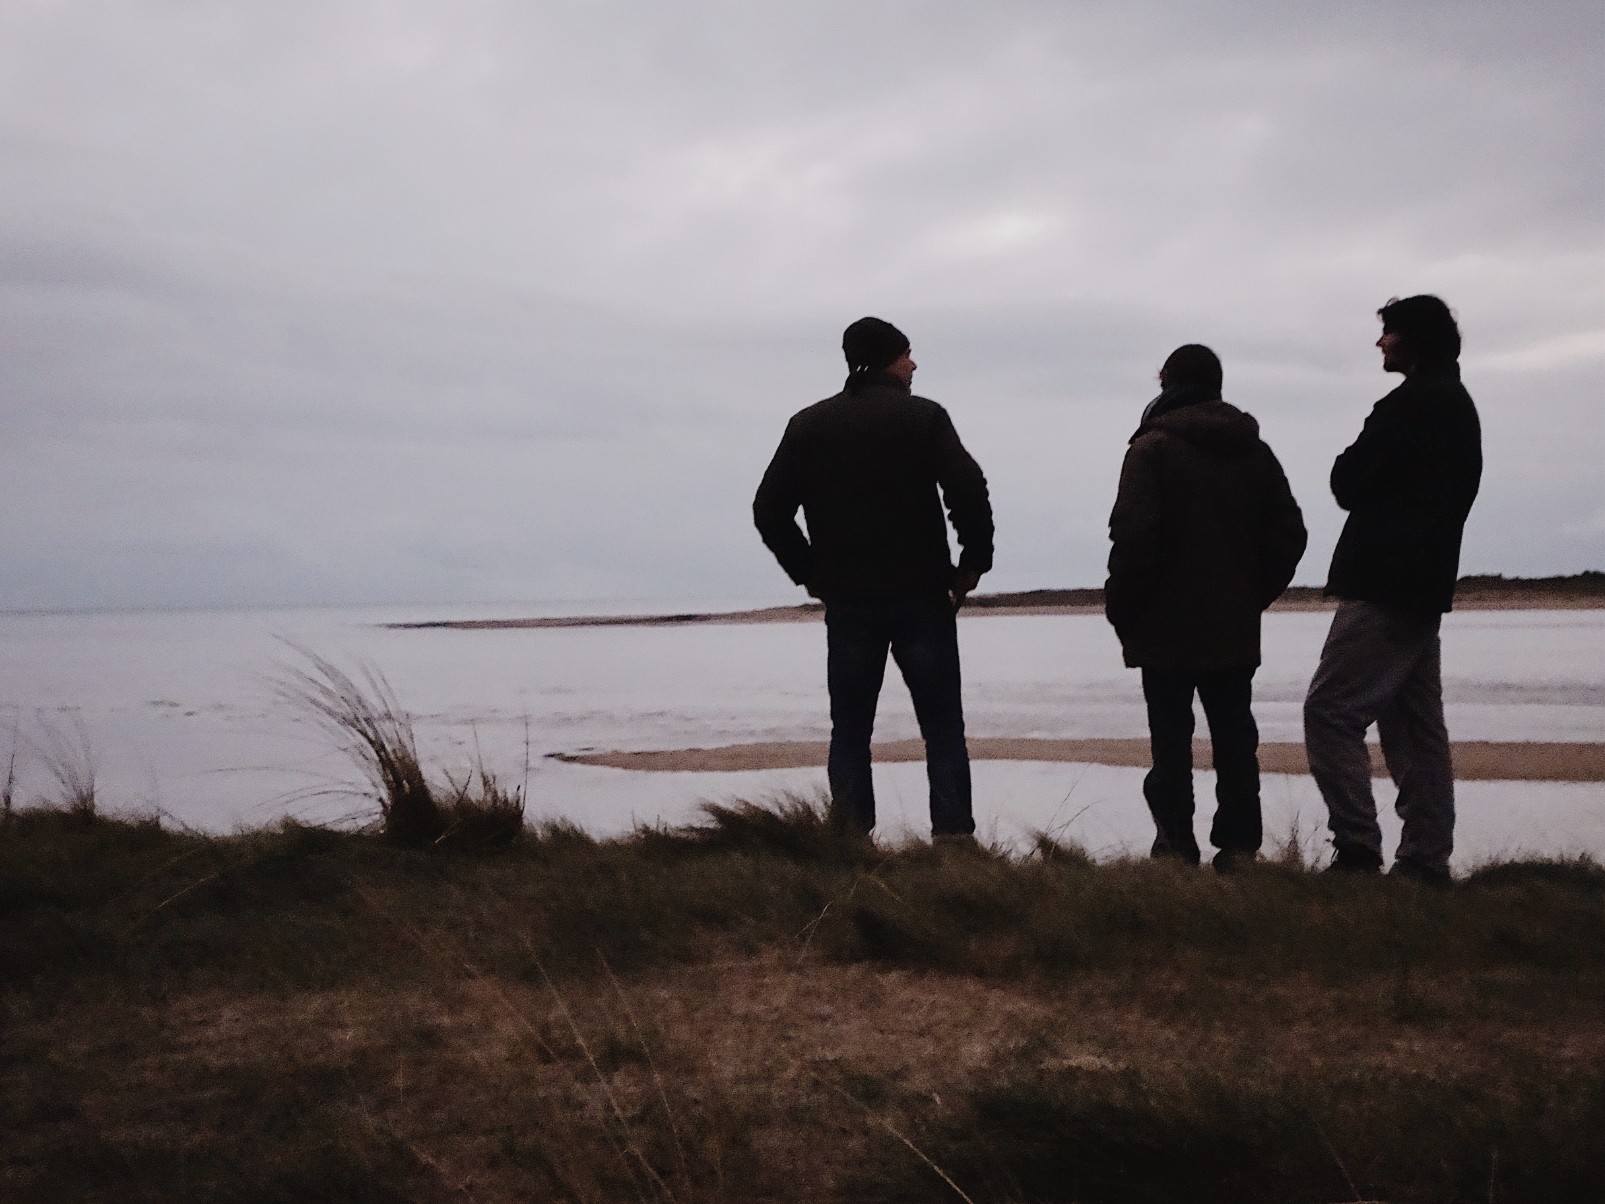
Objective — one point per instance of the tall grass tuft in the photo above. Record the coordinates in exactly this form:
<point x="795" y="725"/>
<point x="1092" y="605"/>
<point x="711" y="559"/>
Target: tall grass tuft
<point x="1067" y="854"/>
<point x="1297" y="849"/>
<point x="481" y="812"/>
<point x="363" y="715"/>
<point x="70" y="760"/>
<point x="11" y="773"/>
<point x="372" y="728"/>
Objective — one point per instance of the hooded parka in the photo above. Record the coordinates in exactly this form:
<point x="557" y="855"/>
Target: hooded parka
<point x="1205" y="535"/>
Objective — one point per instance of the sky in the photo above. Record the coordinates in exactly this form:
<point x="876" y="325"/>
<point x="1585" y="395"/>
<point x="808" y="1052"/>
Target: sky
<point x="314" y="303"/>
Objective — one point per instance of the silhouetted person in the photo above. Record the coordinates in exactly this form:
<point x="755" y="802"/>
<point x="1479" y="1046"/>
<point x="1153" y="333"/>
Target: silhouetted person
<point x="866" y="466"/>
<point x="1408" y="483"/>
<point x="1205" y="535"/>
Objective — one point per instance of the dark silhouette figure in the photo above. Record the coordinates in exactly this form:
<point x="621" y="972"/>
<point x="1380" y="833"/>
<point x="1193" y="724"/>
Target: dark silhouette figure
<point x="870" y="468"/>
<point x="1205" y="535"/>
<point x="1408" y="483"/>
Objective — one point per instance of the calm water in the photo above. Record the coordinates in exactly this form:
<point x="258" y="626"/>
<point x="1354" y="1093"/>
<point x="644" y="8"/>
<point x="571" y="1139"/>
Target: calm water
<point x="180" y="717"/>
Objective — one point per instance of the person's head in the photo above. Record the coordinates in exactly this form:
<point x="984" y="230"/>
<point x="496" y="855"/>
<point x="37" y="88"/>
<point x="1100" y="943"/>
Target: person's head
<point x="871" y="346"/>
<point x="1417" y="332"/>
<point x="1192" y="364"/>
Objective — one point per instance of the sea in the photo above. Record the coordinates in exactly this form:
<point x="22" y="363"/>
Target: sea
<point x="184" y="716"/>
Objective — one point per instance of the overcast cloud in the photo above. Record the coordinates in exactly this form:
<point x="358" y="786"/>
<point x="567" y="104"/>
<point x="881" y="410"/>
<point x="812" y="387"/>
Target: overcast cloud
<point x="498" y="299"/>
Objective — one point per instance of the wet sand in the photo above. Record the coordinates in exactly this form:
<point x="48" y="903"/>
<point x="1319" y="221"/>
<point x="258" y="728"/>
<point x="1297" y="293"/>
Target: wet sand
<point x="1475" y="760"/>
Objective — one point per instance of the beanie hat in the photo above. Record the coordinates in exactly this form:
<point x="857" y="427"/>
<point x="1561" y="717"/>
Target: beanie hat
<point x="871" y="345"/>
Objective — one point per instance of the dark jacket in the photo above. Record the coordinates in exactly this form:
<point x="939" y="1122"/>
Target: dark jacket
<point x="1408" y="483"/>
<point x="865" y="467"/>
<point x="1205" y="534"/>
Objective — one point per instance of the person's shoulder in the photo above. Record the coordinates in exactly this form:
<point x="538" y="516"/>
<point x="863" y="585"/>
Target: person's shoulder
<point x="818" y="410"/>
<point x="1395" y="406"/>
<point x="1440" y="393"/>
<point x="1149" y="443"/>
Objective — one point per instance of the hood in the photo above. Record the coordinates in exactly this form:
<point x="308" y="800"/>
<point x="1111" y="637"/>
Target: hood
<point x="1213" y="426"/>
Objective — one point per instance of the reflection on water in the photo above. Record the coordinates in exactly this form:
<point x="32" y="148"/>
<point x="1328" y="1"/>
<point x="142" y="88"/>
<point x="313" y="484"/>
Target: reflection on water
<point x="180" y="714"/>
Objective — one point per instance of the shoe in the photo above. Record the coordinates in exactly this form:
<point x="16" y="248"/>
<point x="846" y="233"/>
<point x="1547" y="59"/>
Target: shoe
<point x="1413" y="871"/>
<point x="1347" y="861"/>
<point x="954" y="842"/>
<point x="1166" y="850"/>
<point x="1232" y="861"/>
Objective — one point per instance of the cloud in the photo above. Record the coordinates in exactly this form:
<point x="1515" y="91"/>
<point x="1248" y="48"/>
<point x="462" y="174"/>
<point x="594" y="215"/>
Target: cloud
<point x="420" y="302"/>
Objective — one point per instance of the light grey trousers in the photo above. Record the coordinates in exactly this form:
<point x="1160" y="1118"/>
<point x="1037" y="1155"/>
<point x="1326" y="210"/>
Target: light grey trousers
<point x="1381" y="666"/>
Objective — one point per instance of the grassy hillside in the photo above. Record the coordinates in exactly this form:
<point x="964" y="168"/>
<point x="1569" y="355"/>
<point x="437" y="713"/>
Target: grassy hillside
<point x="754" y="1010"/>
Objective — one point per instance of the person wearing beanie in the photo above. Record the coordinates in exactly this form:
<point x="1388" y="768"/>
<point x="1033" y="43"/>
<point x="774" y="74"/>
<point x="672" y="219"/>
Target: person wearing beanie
<point x="871" y="469"/>
<point x="1408" y="483"/>
<point x="1204" y="535"/>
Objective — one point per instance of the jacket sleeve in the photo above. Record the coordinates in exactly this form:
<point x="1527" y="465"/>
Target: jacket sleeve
<point x="1134" y="535"/>
<point x="1282" y="536"/>
<point x="969" y="506"/>
<point x="1378" y="463"/>
<point x="774" y="510"/>
<point x="1418" y="453"/>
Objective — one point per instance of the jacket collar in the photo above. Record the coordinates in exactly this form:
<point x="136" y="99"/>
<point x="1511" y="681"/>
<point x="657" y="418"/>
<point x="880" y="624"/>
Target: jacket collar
<point x="857" y="383"/>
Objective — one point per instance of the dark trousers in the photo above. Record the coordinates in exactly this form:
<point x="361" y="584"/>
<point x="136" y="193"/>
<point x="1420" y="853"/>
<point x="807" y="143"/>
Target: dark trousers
<point x="922" y="636"/>
<point x="1227" y="695"/>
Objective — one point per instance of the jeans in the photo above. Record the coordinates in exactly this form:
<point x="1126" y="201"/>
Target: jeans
<point x="922" y="636"/>
<point x="1381" y="666"/>
<point x="1227" y="695"/>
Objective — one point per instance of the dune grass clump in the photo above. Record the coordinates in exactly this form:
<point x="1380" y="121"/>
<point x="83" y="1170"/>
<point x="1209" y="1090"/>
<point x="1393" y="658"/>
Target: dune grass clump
<point x="790" y="824"/>
<point x="370" y="726"/>
<point x="364" y="717"/>
<point x="65" y="751"/>
<point x="481" y="812"/>
<point x="10" y="787"/>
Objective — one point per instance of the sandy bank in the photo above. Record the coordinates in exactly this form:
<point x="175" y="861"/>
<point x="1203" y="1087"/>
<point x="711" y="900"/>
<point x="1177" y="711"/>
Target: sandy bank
<point x="1475" y="760"/>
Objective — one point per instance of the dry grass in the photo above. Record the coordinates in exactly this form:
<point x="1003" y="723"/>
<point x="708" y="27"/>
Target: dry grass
<point x="754" y="1010"/>
<point x="8" y="792"/>
<point x="363" y="717"/>
<point x="62" y="746"/>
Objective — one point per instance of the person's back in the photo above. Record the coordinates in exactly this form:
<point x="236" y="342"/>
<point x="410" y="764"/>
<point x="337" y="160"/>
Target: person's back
<point x="1204" y="534"/>
<point x="865" y="466"/>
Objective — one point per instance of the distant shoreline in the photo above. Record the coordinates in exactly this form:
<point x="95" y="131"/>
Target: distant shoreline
<point x="1582" y="591"/>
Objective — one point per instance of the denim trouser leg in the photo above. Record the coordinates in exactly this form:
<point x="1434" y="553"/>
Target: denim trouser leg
<point x="925" y="644"/>
<point x="1169" y="784"/>
<point x="1228" y="698"/>
<point x="922" y="637"/>
<point x="857" y="638"/>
